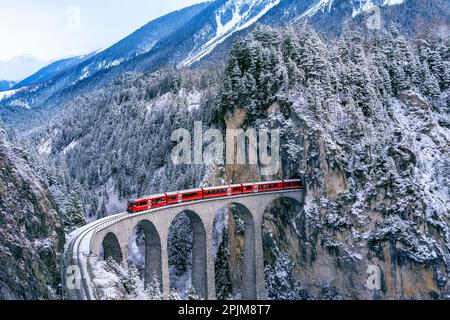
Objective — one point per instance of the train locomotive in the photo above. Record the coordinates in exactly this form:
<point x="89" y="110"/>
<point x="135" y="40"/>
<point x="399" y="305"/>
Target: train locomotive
<point x="177" y="197"/>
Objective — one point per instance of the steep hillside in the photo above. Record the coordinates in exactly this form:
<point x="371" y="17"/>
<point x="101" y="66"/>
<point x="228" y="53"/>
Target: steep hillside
<point x="116" y="141"/>
<point x="369" y="132"/>
<point x="409" y="16"/>
<point x="31" y="233"/>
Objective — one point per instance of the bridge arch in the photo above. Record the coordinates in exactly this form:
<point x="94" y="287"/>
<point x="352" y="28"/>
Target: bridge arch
<point x="284" y="239"/>
<point x="111" y="248"/>
<point x="192" y="234"/>
<point x="150" y="242"/>
<point x="236" y="222"/>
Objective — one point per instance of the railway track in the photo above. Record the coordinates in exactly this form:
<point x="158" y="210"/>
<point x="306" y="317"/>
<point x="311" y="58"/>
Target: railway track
<point x="79" y="244"/>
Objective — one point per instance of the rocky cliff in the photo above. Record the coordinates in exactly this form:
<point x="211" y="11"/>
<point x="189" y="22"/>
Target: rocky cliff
<point x="31" y="233"/>
<point x="364" y="121"/>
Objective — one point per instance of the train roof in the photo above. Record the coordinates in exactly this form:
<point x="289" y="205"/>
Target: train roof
<point x="223" y="187"/>
<point x="150" y="197"/>
<point x="268" y="182"/>
<point x="292" y="180"/>
<point x="183" y="191"/>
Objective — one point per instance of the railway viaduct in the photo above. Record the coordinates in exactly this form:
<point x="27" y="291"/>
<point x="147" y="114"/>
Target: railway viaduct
<point x="110" y="237"/>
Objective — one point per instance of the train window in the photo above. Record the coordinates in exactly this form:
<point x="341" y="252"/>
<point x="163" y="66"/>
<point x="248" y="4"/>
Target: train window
<point x="158" y="201"/>
<point x="248" y="188"/>
<point x="236" y="189"/>
<point x="172" y="198"/>
<point x="213" y="192"/>
<point x="190" y="195"/>
<point x="143" y="203"/>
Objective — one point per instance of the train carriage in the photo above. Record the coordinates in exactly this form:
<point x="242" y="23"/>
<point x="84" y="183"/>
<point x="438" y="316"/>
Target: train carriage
<point x="184" y="196"/>
<point x="269" y="186"/>
<point x="151" y="202"/>
<point x="292" y="184"/>
<point x="156" y="201"/>
<point x="171" y="198"/>
<point x="248" y="188"/>
<point x="223" y="191"/>
<point x="137" y="205"/>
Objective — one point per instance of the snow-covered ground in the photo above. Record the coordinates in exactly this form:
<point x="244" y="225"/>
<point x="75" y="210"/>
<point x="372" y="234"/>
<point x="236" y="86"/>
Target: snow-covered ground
<point x="241" y="15"/>
<point x="7" y="94"/>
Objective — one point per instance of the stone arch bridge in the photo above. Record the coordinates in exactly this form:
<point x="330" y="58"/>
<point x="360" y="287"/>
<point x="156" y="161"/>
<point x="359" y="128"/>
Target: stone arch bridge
<point x="111" y="236"/>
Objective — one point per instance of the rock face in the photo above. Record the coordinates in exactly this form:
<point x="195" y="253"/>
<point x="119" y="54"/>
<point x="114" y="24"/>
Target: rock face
<point x="31" y="234"/>
<point x="365" y="123"/>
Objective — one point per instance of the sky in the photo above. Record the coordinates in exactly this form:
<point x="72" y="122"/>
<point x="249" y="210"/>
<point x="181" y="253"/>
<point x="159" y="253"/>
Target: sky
<point x="52" y="29"/>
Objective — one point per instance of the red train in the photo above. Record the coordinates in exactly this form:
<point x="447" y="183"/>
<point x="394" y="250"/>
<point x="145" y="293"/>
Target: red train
<point x="171" y="198"/>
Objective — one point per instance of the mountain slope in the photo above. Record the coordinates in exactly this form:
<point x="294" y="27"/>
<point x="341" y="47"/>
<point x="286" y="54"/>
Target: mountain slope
<point x="6" y="85"/>
<point x="410" y="16"/>
<point x="140" y="41"/>
<point x="20" y="67"/>
<point x="365" y="122"/>
<point x="31" y="233"/>
<point x="68" y="73"/>
<point x="53" y="70"/>
<point x="203" y="34"/>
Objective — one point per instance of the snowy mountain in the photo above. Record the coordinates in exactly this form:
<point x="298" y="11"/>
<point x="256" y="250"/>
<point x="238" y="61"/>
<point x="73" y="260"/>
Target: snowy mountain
<point x="6" y="85"/>
<point x="410" y="16"/>
<point x="139" y="42"/>
<point x="68" y="73"/>
<point x="230" y="17"/>
<point x="203" y="34"/>
<point x="20" y="67"/>
<point x="358" y="6"/>
<point x="51" y="71"/>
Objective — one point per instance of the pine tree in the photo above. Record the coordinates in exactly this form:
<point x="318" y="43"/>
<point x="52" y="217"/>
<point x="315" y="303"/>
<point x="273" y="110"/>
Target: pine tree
<point x="222" y="270"/>
<point x="154" y="289"/>
<point x="132" y="281"/>
<point x="431" y="84"/>
<point x="192" y="294"/>
<point x="75" y="216"/>
<point x="180" y="244"/>
<point x="174" y="295"/>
